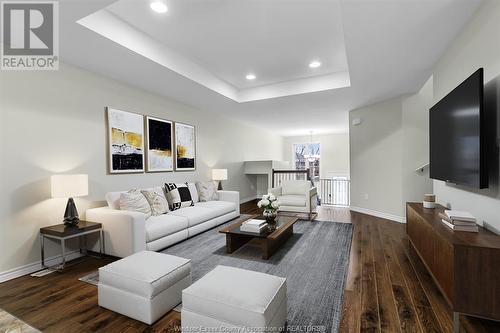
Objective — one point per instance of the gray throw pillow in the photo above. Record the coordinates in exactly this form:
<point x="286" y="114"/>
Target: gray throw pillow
<point x="135" y="201"/>
<point x="207" y="191"/>
<point x="194" y="192"/>
<point x="157" y="201"/>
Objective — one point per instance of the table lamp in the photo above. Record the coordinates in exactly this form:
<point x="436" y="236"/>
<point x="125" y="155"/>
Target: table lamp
<point x="70" y="186"/>
<point x="219" y="175"/>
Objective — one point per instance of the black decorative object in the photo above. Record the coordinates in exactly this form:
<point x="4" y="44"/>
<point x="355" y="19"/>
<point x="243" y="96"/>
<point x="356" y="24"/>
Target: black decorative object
<point x="71" y="213"/>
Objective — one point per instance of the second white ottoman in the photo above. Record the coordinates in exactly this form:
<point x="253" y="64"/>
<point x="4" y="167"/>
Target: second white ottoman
<point x="145" y="285"/>
<point x="230" y="298"/>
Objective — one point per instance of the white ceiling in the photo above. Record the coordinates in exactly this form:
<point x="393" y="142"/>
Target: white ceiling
<point x="233" y="38"/>
<point x="200" y="51"/>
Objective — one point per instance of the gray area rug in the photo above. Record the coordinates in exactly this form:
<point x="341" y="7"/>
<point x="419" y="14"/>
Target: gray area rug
<point x="92" y="278"/>
<point x="11" y="324"/>
<point x="314" y="261"/>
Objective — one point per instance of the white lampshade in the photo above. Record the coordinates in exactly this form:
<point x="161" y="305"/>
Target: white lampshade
<point x="219" y="174"/>
<point x="69" y="186"/>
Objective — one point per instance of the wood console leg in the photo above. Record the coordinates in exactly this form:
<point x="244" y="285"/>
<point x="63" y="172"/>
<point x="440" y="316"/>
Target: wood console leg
<point x="456" y="322"/>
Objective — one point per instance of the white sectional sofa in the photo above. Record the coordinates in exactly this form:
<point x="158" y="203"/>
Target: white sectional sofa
<point x="127" y="232"/>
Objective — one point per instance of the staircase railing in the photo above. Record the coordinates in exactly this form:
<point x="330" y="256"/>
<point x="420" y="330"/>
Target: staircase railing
<point x="334" y="191"/>
<point x="280" y="175"/>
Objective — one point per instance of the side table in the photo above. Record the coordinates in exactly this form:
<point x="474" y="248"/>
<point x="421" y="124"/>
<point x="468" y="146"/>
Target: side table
<point x="63" y="232"/>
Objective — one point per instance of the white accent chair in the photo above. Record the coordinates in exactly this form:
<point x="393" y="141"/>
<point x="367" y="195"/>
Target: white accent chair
<point x="144" y="286"/>
<point x="296" y="196"/>
<point x="230" y="299"/>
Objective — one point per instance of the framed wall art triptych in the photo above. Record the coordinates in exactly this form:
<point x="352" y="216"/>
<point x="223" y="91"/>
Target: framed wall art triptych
<point x="160" y="144"/>
<point x="138" y="143"/>
<point x="185" y="147"/>
<point x="126" y="141"/>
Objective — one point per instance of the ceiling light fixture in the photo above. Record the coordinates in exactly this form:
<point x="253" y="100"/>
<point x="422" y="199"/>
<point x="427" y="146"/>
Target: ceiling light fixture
<point x="311" y="156"/>
<point x="159" y="7"/>
<point x="250" y="77"/>
<point x="314" y="64"/>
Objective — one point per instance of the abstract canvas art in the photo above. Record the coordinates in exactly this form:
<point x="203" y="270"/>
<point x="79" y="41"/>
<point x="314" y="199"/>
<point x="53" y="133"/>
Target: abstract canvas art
<point x="159" y="136"/>
<point x="126" y="141"/>
<point x="185" y="145"/>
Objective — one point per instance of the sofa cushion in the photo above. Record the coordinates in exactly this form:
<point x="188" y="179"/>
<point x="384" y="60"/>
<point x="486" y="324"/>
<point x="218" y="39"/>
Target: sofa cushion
<point x="157" y="201"/>
<point x="196" y="215"/>
<point x="178" y="196"/>
<point x="295" y="187"/>
<point x="145" y="273"/>
<point x="221" y="207"/>
<point x="236" y="296"/>
<point x="164" y="225"/>
<point x="207" y="191"/>
<point x="135" y="201"/>
<point x="292" y="200"/>
<point x="113" y="199"/>
<point x="194" y="192"/>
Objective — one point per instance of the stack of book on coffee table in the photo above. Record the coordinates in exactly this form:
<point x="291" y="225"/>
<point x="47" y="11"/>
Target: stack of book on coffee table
<point x="459" y="221"/>
<point x="254" y="226"/>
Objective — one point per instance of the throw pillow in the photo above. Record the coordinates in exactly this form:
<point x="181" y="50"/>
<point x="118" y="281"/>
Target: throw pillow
<point x="193" y="191"/>
<point x="157" y="201"/>
<point x="207" y="191"/>
<point x="135" y="201"/>
<point x="178" y="196"/>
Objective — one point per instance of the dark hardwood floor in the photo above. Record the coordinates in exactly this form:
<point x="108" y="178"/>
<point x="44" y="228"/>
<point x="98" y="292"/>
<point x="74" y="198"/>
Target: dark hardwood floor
<point x="384" y="292"/>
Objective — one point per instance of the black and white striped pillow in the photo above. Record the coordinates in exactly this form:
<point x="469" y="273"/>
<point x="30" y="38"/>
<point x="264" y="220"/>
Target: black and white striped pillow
<point x="178" y="196"/>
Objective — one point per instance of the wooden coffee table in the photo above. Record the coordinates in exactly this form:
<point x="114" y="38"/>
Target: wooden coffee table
<point x="270" y="239"/>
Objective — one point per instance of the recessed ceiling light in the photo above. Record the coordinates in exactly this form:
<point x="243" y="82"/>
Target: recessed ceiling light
<point x="250" y="77"/>
<point x="159" y="7"/>
<point x="314" y="64"/>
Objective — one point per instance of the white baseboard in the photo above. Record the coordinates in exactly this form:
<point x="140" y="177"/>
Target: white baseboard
<point x="247" y="199"/>
<point x="376" y="213"/>
<point x="36" y="266"/>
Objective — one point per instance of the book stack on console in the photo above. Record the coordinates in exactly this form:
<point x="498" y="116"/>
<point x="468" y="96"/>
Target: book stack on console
<point x="253" y="226"/>
<point x="459" y="221"/>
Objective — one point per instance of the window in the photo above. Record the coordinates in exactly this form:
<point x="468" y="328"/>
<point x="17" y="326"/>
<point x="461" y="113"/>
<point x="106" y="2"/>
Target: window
<point x="307" y="156"/>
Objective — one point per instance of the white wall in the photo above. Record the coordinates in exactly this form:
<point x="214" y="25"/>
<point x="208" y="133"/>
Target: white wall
<point x="376" y="159"/>
<point x="386" y="148"/>
<point x="334" y="152"/>
<point x="477" y="46"/>
<point x="415" y="147"/>
<point x="54" y="122"/>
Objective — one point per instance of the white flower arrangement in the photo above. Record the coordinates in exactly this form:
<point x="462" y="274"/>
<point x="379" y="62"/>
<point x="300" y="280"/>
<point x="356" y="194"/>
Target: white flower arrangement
<point x="269" y="202"/>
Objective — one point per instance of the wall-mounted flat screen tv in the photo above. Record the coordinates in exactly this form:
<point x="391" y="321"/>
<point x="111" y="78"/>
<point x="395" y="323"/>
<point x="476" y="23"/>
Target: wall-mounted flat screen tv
<point x="457" y="135"/>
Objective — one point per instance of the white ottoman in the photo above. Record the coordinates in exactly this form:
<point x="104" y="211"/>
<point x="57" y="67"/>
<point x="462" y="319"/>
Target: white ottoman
<point x="229" y="298"/>
<point x="145" y="285"/>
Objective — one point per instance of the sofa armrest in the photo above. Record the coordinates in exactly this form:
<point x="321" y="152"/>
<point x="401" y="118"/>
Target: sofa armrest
<point x="124" y="231"/>
<point x="313" y="191"/>
<point x="231" y="196"/>
<point x="276" y="191"/>
<point x="312" y="196"/>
